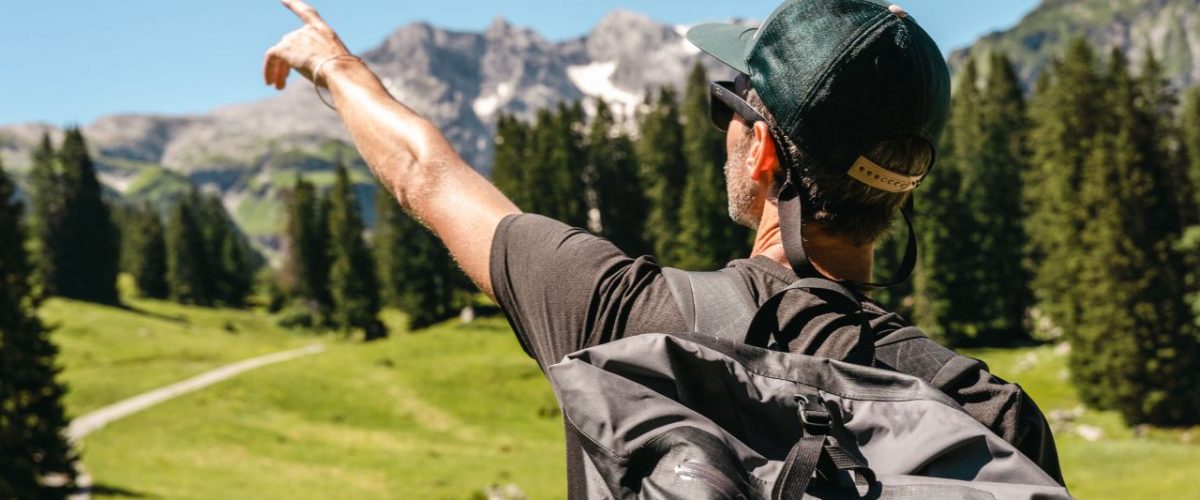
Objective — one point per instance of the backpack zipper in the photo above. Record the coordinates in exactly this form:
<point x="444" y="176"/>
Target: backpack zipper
<point x="710" y="476"/>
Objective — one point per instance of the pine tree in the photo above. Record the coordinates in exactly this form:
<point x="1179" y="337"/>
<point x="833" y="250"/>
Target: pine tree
<point x="1065" y="113"/>
<point x="236" y="257"/>
<point x="32" y="421"/>
<point x="306" y="253"/>
<point x="417" y="274"/>
<point x="187" y="260"/>
<point x="228" y="271"/>
<point x="1159" y="102"/>
<point x="48" y="212"/>
<point x="389" y="238"/>
<point x="1189" y="157"/>
<point x="1190" y="139"/>
<point x="945" y="301"/>
<point x="352" y="280"/>
<point x="663" y="171"/>
<point x="1134" y="347"/>
<point x="707" y="237"/>
<point x="889" y="253"/>
<point x="510" y="167"/>
<point x="210" y="216"/>
<point x="147" y="253"/>
<point x="994" y="191"/>
<point x="88" y="254"/>
<point x="573" y="127"/>
<point x="125" y="218"/>
<point x="555" y="174"/>
<point x="982" y="292"/>
<point x="612" y="177"/>
<point x="940" y="267"/>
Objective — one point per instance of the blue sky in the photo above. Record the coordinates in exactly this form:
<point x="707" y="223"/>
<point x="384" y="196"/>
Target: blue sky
<point x="71" y="61"/>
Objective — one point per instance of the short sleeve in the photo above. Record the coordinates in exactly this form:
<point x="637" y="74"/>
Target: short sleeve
<point x="564" y="289"/>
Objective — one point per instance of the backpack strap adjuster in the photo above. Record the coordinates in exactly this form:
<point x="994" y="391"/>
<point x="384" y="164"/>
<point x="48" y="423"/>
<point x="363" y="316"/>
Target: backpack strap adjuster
<point x="813" y="414"/>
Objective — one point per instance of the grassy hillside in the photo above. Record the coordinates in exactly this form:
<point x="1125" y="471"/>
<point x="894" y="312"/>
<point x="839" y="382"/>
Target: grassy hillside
<point x="111" y="354"/>
<point x="442" y="413"/>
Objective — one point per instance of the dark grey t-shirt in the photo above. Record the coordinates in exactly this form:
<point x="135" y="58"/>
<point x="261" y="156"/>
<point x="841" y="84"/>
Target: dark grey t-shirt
<point x="564" y="289"/>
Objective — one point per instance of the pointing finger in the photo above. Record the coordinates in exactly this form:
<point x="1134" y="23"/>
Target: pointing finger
<point x="305" y="12"/>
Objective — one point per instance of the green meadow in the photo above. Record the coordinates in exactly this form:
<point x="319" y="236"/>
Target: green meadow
<point x="441" y="413"/>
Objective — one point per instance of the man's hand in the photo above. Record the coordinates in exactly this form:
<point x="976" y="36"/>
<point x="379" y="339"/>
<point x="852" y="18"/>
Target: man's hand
<point x="303" y="49"/>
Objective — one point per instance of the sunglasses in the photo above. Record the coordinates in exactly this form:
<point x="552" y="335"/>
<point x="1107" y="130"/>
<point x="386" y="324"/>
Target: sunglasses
<point x="726" y="100"/>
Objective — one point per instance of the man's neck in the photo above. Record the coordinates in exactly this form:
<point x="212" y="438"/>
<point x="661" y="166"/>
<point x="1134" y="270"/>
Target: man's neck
<point x="832" y="256"/>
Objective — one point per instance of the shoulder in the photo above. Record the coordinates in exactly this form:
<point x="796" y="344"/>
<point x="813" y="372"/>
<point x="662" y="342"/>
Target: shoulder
<point x="564" y="288"/>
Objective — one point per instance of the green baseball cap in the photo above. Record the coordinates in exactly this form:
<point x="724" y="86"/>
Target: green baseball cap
<point x="839" y="76"/>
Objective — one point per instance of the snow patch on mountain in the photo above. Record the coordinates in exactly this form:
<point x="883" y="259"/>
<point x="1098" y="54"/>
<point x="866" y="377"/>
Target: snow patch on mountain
<point x="688" y="47"/>
<point x="486" y="106"/>
<point x="595" y="80"/>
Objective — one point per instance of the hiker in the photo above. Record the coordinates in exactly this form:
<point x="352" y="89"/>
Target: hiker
<point x="830" y="125"/>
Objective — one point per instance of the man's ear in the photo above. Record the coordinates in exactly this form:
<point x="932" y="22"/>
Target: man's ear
<point x="764" y="155"/>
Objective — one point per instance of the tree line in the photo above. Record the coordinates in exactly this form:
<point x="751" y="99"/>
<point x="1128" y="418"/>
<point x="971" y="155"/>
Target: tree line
<point x="1071" y="214"/>
<point x="197" y="256"/>
<point x="338" y="275"/>
<point x="80" y="242"/>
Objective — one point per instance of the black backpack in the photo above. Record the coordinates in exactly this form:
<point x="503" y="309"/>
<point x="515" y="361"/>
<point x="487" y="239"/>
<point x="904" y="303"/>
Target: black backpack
<point x="718" y="303"/>
<point x="717" y="415"/>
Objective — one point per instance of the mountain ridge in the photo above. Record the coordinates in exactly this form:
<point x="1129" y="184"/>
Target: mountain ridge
<point x="1169" y="28"/>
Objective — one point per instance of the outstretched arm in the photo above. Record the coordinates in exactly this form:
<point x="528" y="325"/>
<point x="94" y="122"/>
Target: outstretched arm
<point x="406" y="152"/>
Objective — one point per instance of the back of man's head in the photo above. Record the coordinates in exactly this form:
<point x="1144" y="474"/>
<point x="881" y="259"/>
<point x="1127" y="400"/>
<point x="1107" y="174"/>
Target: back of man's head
<point x="856" y="95"/>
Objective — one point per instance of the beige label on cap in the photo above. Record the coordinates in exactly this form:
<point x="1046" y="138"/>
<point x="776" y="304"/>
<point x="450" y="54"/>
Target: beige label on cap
<point x="871" y="174"/>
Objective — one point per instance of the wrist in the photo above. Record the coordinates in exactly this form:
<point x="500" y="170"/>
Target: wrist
<point x="330" y="66"/>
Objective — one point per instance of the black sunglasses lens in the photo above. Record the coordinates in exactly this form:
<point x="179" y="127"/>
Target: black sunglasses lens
<point x="721" y="113"/>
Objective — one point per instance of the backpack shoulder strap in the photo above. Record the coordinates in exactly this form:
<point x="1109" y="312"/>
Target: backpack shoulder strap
<point x="908" y="350"/>
<point x="716" y="302"/>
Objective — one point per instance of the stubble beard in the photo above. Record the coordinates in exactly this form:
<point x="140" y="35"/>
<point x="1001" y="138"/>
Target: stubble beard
<point x="741" y="190"/>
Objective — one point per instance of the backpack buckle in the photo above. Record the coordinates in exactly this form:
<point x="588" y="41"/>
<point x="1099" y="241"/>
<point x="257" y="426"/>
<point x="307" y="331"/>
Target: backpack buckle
<point x="813" y="414"/>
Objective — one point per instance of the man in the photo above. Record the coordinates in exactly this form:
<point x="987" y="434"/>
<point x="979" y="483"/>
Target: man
<point x="830" y="124"/>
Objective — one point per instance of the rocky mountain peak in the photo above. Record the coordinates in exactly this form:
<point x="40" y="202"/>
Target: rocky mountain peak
<point x="405" y="36"/>
<point x="623" y="34"/>
<point x="500" y="26"/>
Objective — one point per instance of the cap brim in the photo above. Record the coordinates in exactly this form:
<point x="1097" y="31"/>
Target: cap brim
<point x="729" y="43"/>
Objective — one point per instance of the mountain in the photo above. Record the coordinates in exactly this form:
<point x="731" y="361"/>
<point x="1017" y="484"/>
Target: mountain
<point x="461" y="81"/>
<point x="1170" y="28"/>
